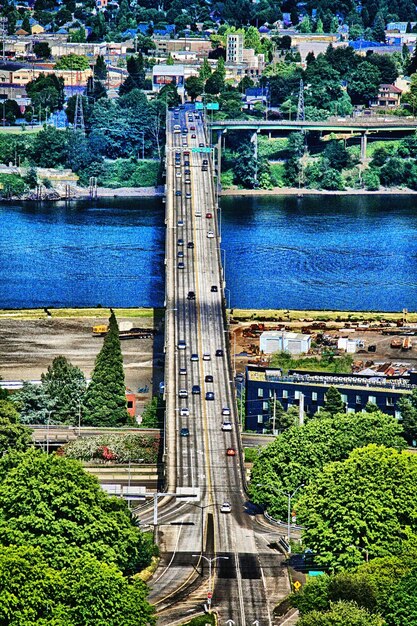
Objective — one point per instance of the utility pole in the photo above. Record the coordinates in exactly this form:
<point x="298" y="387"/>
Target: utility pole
<point x="3" y="28"/>
<point x="274" y="412"/>
<point x="300" y="109"/>
<point x="79" y="114"/>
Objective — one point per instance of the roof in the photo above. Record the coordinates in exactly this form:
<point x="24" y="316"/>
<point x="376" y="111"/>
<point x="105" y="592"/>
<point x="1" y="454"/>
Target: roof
<point x="11" y="67"/>
<point x="390" y="87"/>
<point x="255" y="91"/>
<point x="163" y="68"/>
<point x="272" y="334"/>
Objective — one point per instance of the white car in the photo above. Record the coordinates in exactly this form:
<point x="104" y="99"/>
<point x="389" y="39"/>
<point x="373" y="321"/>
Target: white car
<point x="183" y="393"/>
<point x="225" y="410"/>
<point x="180" y="223"/>
<point x="184" y="411"/>
<point x="226" y="507"/>
<point x="206" y="356"/>
<point x="227" y="426"/>
<point x="183" y="371"/>
<point x="178" y="174"/>
<point x="197" y="213"/>
<point x="210" y="234"/>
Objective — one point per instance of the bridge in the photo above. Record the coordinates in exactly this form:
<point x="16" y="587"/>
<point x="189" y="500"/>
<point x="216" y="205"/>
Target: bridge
<point x="210" y="556"/>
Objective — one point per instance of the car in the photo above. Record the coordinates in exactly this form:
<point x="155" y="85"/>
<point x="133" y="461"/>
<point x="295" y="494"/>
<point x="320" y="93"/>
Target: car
<point x="178" y="174"/>
<point x="205" y="162"/>
<point x="186" y="153"/>
<point x="219" y="352"/>
<point x="196" y="390"/>
<point x="183" y="393"/>
<point x="187" y="172"/>
<point x="226" y="507"/>
<point x="183" y="371"/>
<point x="184" y="411"/>
<point x="191" y="295"/>
<point x="187" y="181"/>
<point x="181" y="344"/>
<point x="227" y="426"/>
<point x="201" y="145"/>
<point x="180" y="254"/>
<point x="184" y="432"/>
<point x="180" y="265"/>
<point x="180" y="223"/>
<point x="188" y="195"/>
<point x="178" y="193"/>
<point x="214" y="289"/>
<point x="208" y="378"/>
<point x="190" y="244"/>
<point x="186" y="163"/>
<point x="185" y="143"/>
<point x="231" y="452"/>
<point x="210" y="395"/>
<point x="209" y="216"/>
<point x="177" y="155"/>
<point x="192" y="127"/>
<point x="180" y="242"/>
<point x="204" y="168"/>
<point x="193" y="136"/>
<point x="184" y="130"/>
<point x="194" y="357"/>
<point x="197" y="213"/>
<point x="210" y="234"/>
<point x="206" y="356"/>
<point x="225" y="410"/>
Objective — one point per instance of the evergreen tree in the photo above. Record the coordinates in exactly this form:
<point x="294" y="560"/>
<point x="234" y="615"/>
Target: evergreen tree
<point x="26" y="24"/>
<point x="100" y="68"/>
<point x="136" y="78"/>
<point x="334" y="403"/>
<point x="65" y="384"/>
<point x="105" y="400"/>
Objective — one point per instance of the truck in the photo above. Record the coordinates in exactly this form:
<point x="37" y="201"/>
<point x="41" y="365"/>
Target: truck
<point x="126" y="331"/>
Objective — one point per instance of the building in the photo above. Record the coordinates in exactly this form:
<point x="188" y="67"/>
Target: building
<point x="189" y="44"/>
<point x="310" y="389"/>
<point x="234" y="48"/>
<point x="389" y="96"/>
<point x="168" y="74"/>
<point x="279" y="341"/>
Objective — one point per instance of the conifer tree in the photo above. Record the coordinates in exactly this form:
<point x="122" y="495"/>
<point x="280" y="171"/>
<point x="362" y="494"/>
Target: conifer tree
<point x="334" y="403"/>
<point x="105" y="400"/>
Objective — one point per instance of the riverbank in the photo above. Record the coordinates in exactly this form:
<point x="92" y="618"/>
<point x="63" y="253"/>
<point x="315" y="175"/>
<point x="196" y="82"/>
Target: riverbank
<point x="293" y="191"/>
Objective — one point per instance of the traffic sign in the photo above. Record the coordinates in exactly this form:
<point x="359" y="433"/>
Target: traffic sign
<point x="204" y="150"/>
<point x="212" y="106"/>
<point x="199" y="106"/>
<point x="209" y="595"/>
<point x="297" y="585"/>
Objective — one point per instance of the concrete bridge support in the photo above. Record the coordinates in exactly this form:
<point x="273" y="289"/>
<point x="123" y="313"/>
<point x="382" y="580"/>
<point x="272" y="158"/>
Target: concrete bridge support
<point x="364" y="143"/>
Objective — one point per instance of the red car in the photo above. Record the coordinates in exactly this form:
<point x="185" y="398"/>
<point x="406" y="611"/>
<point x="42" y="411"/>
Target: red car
<point x="231" y="452"/>
<point x="209" y="216"/>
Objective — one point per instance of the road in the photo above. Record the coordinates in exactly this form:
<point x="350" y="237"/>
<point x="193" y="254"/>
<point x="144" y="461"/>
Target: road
<point x="247" y="573"/>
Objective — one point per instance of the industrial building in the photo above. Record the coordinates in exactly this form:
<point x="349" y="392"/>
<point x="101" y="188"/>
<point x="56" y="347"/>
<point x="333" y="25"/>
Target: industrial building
<point x="310" y="390"/>
<point x="278" y="341"/>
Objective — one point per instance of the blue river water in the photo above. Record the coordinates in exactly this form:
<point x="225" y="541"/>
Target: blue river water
<point x="317" y="252"/>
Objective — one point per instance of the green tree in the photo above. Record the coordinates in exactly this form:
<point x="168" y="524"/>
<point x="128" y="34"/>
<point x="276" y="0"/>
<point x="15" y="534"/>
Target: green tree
<point x="136" y="78"/>
<point x="337" y="155"/>
<point x="100" y="68"/>
<point x="54" y="88"/>
<point x="333" y="403"/>
<point x="300" y="453"/>
<point x="305" y="25"/>
<point x="50" y="147"/>
<point x="65" y="384"/>
<point x="13" y="436"/>
<point x="283" y="419"/>
<point x="33" y="404"/>
<point x="42" y="50"/>
<point x="364" y="83"/>
<point x="205" y="70"/>
<point x="402" y="610"/>
<point x="364" y="502"/>
<point x="252" y="39"/>
<point x="26" y="24"/>
<point x="411" y="96"/>
<point x="408" y="408"/>
<point x="76" y="62"/>
<point x="78" y="36"/>
<point x="378" y="30"/>
<point x="105" y="399"/>
<point x="214" y="83"/>
<point x="370" y="178"/>
<point x="194" y="87"/>
<point x="342" y="614"/>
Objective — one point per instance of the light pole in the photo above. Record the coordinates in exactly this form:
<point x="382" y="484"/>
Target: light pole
<point x="290" y="496"/>
<point x="47" y="430"/>
<point x="202" y="509"/>
<point x="210" y="561"/>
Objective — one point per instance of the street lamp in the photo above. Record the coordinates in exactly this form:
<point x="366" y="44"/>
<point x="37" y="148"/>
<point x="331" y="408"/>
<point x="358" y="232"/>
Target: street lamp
<point x="210" y="585"/>
<point x="202" y="508"/>
<point x="290" y="497"/>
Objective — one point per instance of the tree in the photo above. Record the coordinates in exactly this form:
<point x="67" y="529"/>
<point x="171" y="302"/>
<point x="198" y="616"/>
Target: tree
<point x="13" y="436"/>
<point x="300" y="453"/>
<point x="65" y="384"/>
<point x="245" y="165"/>
<point x="215" y="83"/>
<point x="364" y="502"/>
<point x="402" y="610"/>
<point x="279" y="417"/>
<point x="42" y="50"/>
<point x="100" y="68"/>
<point x="78" y="36"/>
<point x="378" y="30"/>
<point x="75" y="62"/>
<point x="364" y="83"/>
<point x="386" y="65"/>
<point x="337" y="155"/>
<point x="305" y="25"/>
<point x="50" y="502"/>
<point x="194" y="87"/>
<point x="342" y="614"/>
<point x="205" y="70"/>
<point x="136" y="78"/>
<point x="26" y="24"/>
<point x="82" y="594"/>
<point x="252" y="39"/>
<point x="334" y="403"/>
<point x="33" y="404"/>
<point x="411" y="96"/>
<point x="408" y="408"/>
<point x="105" y="400"/>
<point x="46" y="91"/>
<point x="50" y="147"/>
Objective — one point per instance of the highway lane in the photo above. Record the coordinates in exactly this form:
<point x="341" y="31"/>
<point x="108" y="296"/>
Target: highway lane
<point x="240" y="588"/>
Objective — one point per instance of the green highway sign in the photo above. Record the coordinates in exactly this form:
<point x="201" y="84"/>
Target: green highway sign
<point x="212" y="106"/>
<point x="199" y="106"/>
<point x="200" y="149"/>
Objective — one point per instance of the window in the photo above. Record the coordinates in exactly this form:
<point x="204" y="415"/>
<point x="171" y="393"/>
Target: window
<point x="314" y="396"/>
<point x="344" y="397"/>
<point x="398" y="415"/>
<point x="260" y="419"/>
<point x="358" y="400"/>
<point x="130" y="404"/>
<point x="265" y="406"/>
<point x="372" y="399"/>
<point x="350" y="410"/>
<point x="296" y="395"/>
<point x="260" y="392"/>
<point x="285" y="393"/>
<point x="390" y="401"/>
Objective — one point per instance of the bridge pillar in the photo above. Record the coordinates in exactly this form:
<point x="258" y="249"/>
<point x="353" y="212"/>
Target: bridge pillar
<point x="364" y="143"/>
<point x="254" y="140"/>
<point x="219" y="157"/>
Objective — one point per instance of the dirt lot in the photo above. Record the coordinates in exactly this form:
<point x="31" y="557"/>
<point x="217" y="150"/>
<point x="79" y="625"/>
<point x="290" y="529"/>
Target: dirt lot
<point x="29" y="343"/>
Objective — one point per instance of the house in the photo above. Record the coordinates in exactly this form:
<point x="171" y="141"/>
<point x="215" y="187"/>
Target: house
<point x="389" y="96"/>
<point x="168" y="74"/>
<point x="308" y="391"/>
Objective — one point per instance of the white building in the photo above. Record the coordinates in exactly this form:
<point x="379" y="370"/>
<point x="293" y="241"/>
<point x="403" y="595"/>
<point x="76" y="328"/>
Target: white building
<point x="278" y="341"/>
<point x="234" y="48"/>
<point x="168" y="74"/>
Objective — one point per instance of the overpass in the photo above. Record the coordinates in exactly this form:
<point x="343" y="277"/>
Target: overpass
<point x="361" y="126"/>
<point x="199" y="393"/>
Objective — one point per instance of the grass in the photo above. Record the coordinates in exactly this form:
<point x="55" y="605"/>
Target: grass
<point x="68" y="313"/>
<point x="337" y="365"/>
<point x="274" y="148"/>
<point x="17" y="130"/>
<point x="251" y="454"/>
<point x="130" y="173"/>
<point x="378" y="143"/>
<point x="277" y="174"/>
<point x="322" y="316"/>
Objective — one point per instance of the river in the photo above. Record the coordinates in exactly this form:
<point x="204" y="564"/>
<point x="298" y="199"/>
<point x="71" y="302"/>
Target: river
<point x="316" y="252"/>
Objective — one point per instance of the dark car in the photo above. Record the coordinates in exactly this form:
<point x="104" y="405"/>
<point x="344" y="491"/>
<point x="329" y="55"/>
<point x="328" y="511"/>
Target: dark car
<point x="181" y="265"/>
<point x="180" y="242"/>
<point x="187" y="172"/>
<point x="210" y="395"/>
<point x="191" y="295"/>
<point x="208" y="378"/>
<point x="180" y="254"/>
<point x="209" y="216"/>
<point x="184" y="432"/>
<point x="219" y="352"/>
<point x="196" y="390"/>
<point x="205" y="162"/>
<point x="178" y="192"/>
<point x="201" y="145"/>
<point x="186" y="163"/>
<point x="214" y="289"/>
<point x="190" y="244"/>
<point x="193" y="136"/>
